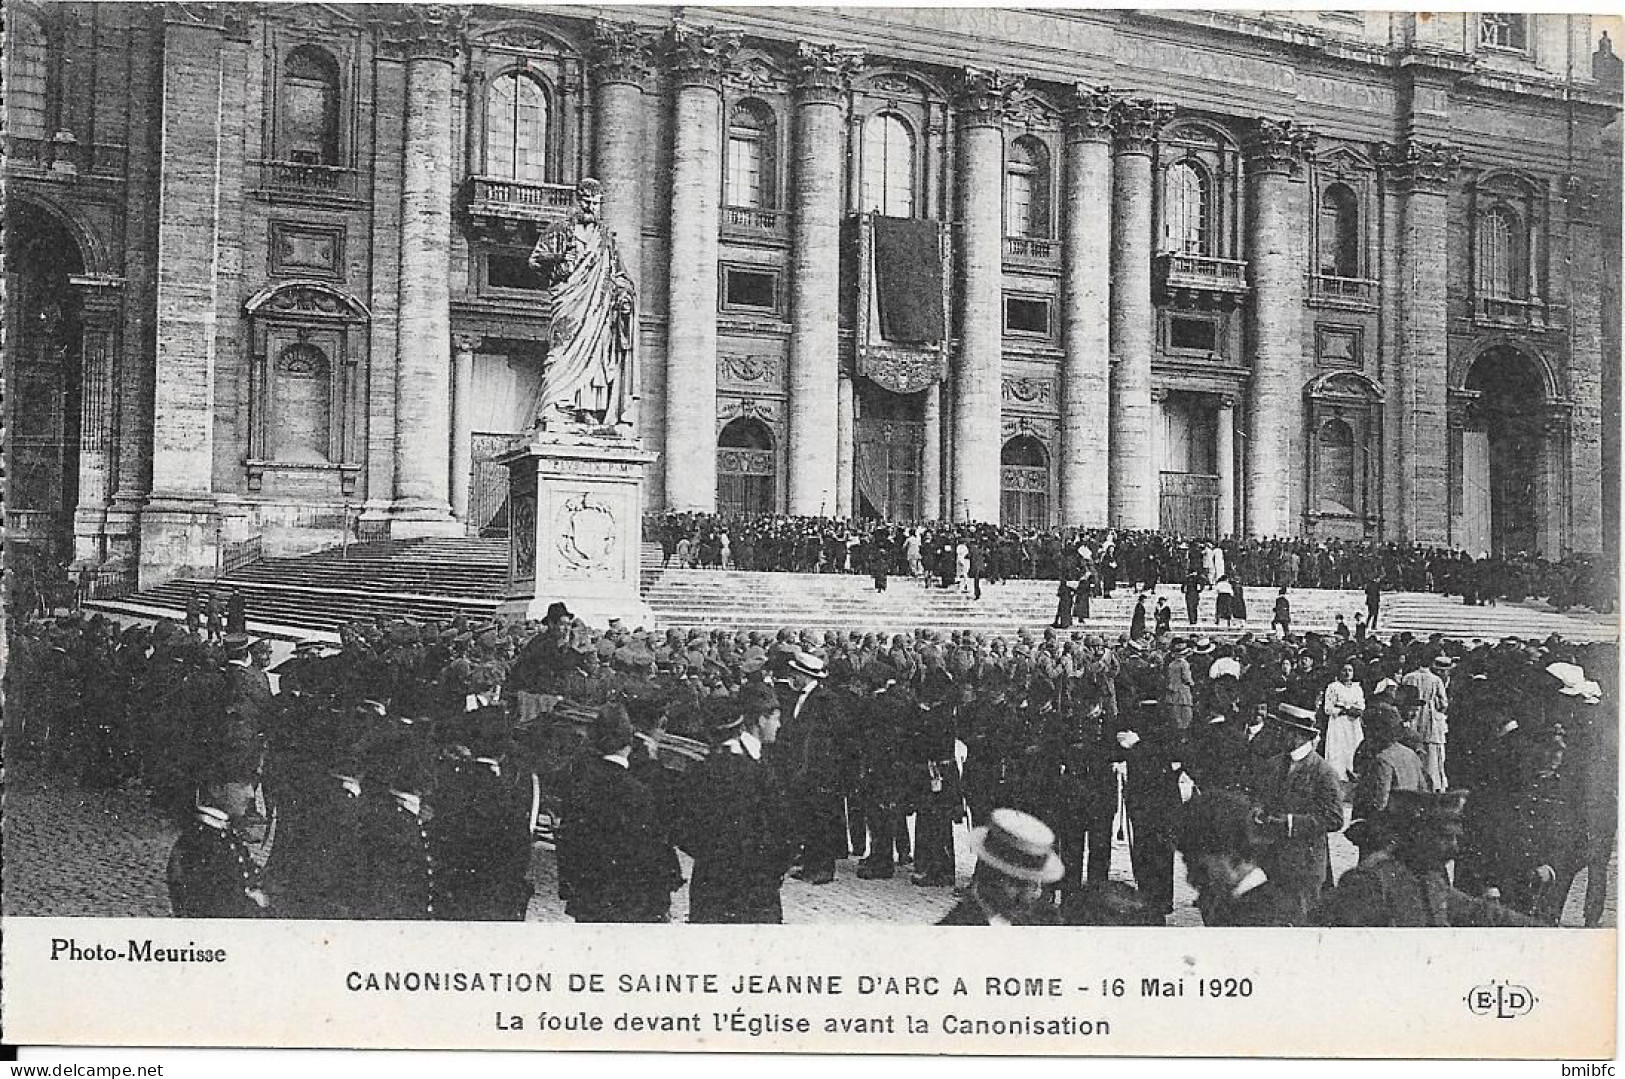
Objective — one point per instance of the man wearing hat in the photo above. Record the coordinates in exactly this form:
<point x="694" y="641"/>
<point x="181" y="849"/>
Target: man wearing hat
<point x="1221" y="839"/>
<point x="1303" y="804"/>
<point x="1015" y="863"/>
<point x="395" y="877"/>
<point x="616" y="863"/>
<point x="1405" y="883"/>
<point x="210" y="872"/>
<point x="734" y="820"/>
<point x="812" y="758"/>
<point x="1431" y="724"/>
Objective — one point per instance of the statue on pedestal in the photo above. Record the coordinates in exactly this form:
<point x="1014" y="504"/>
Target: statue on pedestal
<point x="589" y="381"/>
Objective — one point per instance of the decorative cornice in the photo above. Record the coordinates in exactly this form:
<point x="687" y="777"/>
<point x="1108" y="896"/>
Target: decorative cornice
<point x="1091" y="113"/>
<point x="620" y="52"/>
<point x="982" y="95"/>
<point x="700" y="55"/>
<point x="1136" y="121"/>
<point x="1426" y="166"/>
<point x="1279" y="148"/>
<point x="823" y="73"/>
<point x="427" y="32"/>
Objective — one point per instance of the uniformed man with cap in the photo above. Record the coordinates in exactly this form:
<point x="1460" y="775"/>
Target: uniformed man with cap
<point x="1015" y="864"/>
<point x="396" y="876"/>
<point x="616" y="863"/>
<point x="1302" y="803"/>
<point x="210" y="872"/>
<point x="1405" y="883"/>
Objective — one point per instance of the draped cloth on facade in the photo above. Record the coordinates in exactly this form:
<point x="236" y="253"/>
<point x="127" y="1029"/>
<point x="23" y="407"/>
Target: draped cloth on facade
<point x="908" y="280"/>
<point x="591" y="364"/>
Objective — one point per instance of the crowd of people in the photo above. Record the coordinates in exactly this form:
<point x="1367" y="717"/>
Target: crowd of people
<point x="947" y="553"/>
<point x="407" y="766"/>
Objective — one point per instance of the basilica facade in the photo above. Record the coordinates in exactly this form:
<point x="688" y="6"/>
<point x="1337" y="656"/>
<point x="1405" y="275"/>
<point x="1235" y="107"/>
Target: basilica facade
<point x="1338" y="274"/>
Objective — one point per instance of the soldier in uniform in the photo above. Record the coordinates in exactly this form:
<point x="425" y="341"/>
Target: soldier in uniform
<point x="735" y="821"/>
<point x="395" y="875"/>
<point x="616" y="863"/>
<point x="1405" y="883"/>
<point x="310" y="872"/>
<point x="211" y="874"/>
<point x="938" y="797"/>
<point x="481" y="826"/>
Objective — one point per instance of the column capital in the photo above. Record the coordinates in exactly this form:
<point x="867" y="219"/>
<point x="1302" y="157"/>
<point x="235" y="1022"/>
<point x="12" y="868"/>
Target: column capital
<point x="426" y="32"/>
<point x="466" y="342"/>
<point x="982" y="95"/>
<point x="700" y="55"/>
<point x="1421" y="166"/>
<point x="1135" y="121"/>
<point x="1159" y="394"/>
<point x="823" y="73"/>
<point x="1090" y="113"/>
<point x="1279" y="148"/>
<point x="1226" y="401"/>
<point x="620" y="52"/>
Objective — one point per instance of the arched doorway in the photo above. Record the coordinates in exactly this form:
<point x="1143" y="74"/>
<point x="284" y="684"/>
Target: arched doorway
<point x="747" y="469"/>
<point x="1024" y="483"/>
<point x="44" y="374"/>
<point x="1502" y="465"/>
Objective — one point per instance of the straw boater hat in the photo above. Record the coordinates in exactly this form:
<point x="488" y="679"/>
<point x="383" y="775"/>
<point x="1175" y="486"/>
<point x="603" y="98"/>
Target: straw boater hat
<point x="1204" y="645"/>
<point x="1225" y="667"/>
<point x="1298" y="720"/>
<point x="1019" y="846"/>
<point x="808" y="664"/>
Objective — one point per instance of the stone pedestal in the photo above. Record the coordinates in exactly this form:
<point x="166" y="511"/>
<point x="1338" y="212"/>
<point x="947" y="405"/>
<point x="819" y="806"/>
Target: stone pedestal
<point x="575" y="528"/>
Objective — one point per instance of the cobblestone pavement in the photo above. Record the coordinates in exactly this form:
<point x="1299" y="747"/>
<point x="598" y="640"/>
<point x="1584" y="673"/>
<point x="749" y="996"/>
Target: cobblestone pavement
<point x="73" y="852"/>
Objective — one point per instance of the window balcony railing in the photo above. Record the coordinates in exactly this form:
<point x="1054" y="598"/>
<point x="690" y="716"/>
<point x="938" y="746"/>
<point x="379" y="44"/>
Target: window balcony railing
<point x="751" y="222"/>
<point x="1332" y="291"/>
<point x="520" y="198"/>
<point x="1535" y="314"/>
<point x="298" y="178"/>
<point x="1180" y="273"/>
<point x="1032" y="251"/>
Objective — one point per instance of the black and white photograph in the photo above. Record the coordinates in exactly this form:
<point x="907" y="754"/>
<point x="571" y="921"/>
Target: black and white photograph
<point x="830" y="467"/>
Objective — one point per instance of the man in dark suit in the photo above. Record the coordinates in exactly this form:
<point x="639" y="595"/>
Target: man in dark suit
<point x="1303" y="804"/>
<point x="734" y="819"/>
<point x="813" y="754"/>
<point x="1221" y="836"/>
<point x="1015" y="863"/>
<point x="481" y="827"/>
<point x="616" y="863"/>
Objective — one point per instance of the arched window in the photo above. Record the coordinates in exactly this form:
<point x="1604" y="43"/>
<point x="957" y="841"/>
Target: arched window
<point x="1024" y="483"/>
<point x="1503" y="269"/>
<point x="752" y="156"/>
<point x="27" y="74"/>
<point x="516" y="129"/>
<point x="1027" y="189"/>
<point x="747" y="469"/>
<point x="309" y="107"/>
<point x="888" y="166"/>
<point x="1337" y="491"/>
<point x="1339" y="232"/>
<point x="1186" y="221"/>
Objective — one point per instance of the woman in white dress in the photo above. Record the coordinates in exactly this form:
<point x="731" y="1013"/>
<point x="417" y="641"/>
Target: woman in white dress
<point x="1344" y="704"/>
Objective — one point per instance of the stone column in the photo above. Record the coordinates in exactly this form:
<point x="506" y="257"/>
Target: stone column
<point x="845" y="432"/>
<point x="1276" y="153"/>
<point x="820" y="451"/>
<point x="1132" y="486"/>
<point x="423" y="377"/>
<point x="699" y="56"/>
<point x="1085" y="310"/>
<point x="1422" y="172"/>
<point x="1224" y="460"/>
<point x="620" y="71"/>
<point x="931" y="451"/>
<point x="1159" y="440"/>
<point x="462" y="434"/>
<point x="99" y="314"/>
<point x="978" y="382"/>
<point x="1585" y="421"/>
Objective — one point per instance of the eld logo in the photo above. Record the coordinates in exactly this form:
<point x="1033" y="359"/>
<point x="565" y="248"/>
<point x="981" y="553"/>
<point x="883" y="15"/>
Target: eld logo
<point x="1501" y="1000"/>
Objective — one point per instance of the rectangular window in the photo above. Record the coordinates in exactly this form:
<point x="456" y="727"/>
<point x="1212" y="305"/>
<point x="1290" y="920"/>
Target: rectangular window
<point x="1026" y="314"/>
<point x="1018" y="204"/>
<point x="744" y="172"/>
<point x="749" y="289"/>
<point x="1192" y="335"/>
<point x="511" y="271"/>
<point x="1501" y="30"/>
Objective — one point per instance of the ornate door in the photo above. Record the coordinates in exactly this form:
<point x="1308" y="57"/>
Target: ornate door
<point x="888" y="461"/>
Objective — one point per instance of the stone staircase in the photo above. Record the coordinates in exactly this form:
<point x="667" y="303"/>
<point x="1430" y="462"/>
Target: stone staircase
<point x="439" y="578"/>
